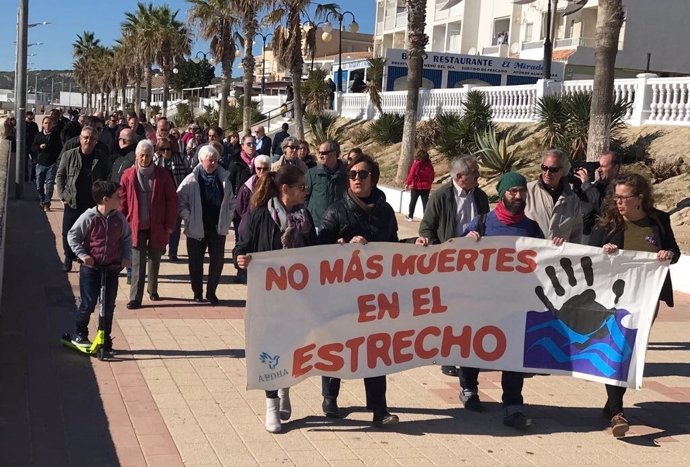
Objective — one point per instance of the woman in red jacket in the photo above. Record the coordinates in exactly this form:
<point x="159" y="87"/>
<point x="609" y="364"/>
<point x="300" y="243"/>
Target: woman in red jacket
<point x="419" y="180"/>
<point x="143" y="186"/>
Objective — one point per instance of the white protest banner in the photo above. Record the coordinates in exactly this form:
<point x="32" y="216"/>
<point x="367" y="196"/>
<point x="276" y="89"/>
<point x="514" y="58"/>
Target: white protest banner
<point x="505" y="303"/>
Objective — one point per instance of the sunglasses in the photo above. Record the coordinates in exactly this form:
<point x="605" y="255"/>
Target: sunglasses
<point x="292" y="147"/>
<point x="551" y="170"/>
<point x="166" y="149"/>
<point x="325" y="153"/>
<point x="359" y="174"/>
<point x="260" y="169"/>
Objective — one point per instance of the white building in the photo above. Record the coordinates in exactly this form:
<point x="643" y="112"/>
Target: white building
<point x="500" y="28"/>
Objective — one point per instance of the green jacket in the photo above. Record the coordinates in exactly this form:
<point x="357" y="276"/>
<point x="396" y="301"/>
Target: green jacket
<point x="68" y="171"/>
<point x="324" y="189"/>
<point x="438" y="224"/>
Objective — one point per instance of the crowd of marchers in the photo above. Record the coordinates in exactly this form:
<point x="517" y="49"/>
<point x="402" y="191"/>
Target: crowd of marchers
<point x="130" y="188"/>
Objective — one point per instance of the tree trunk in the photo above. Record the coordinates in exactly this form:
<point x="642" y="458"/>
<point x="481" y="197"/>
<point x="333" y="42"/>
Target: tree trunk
<point x="609" y="22"/>
<point x="248" y="63"/>
<point x="148" y="77"/>
<point x="124" y="94"/>
<point x="137" y="94"/>
<point x="417" y="40"/>
<point x="298" y="107"/>
<point x="225" y="79"/>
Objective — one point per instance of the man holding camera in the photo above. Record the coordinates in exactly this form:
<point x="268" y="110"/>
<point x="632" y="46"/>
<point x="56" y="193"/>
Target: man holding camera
<point x="592" y="193"/>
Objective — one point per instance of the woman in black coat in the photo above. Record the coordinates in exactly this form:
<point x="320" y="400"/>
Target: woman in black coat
<point x="361" y="216"/>
<point x="629" y="221"/>
<point x="278" y="220"/>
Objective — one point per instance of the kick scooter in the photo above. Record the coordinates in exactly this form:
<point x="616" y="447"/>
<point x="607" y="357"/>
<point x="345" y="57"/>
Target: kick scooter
<point x="97" y="345"/>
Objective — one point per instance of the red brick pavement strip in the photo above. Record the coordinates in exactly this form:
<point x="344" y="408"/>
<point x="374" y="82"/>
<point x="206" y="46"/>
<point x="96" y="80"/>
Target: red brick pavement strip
<point x="180" y="310"/>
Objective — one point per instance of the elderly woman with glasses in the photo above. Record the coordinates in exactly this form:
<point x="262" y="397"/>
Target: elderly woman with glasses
<point x="304" y="155"/>
<point x="143" y="187"/>
<point x="629" y="220"/>
<point x="361" y="216"/>
<point x="290" y="145"/>
<point x="178" y="167"/>
<point x="278" y="220"/>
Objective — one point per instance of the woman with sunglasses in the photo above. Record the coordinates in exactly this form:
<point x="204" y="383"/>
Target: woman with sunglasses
<point x="361" y="216"/>
<point x="177" y="166"/>
<point x="629" y="220"/>
<point x="278" y="220"/>
<point x="304" y="155"/>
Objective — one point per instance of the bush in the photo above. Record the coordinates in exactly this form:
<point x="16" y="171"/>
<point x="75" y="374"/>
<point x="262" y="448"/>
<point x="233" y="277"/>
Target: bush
<point x="493" y="154"/>
<point x="457" y="132"/>
<point x="359" y="135"/>
<point x="388" y="129"/>
<point x="322" y="126"/>
<point x="477" y="112"/>
<point x="564" y="120"/>
<point x="155" y="110"/>
<point x="664" y="170"/>
<point x="426" y="134"/>
<point x="184" y="115"/>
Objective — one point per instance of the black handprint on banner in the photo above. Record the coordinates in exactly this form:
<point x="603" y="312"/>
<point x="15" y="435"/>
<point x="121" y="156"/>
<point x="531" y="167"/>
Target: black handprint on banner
<point x="581" y="313"/>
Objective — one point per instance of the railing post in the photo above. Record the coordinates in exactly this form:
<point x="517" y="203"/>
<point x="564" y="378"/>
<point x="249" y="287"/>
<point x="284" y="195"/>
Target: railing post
<point x="369" y="109"/>
<point x="643" y="99"/>
<point x="548" y="87"/>
<point x="339" y="103"/>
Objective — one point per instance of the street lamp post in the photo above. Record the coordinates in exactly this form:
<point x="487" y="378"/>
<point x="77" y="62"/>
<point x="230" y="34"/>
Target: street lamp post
<point x="354" y="27"/>
<point x="263" y="61"/>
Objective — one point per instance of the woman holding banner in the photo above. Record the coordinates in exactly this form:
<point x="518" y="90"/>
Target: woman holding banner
<point x="361" y="216"/>
<point x="630" y="221"/>
<point x="277" y="220"/>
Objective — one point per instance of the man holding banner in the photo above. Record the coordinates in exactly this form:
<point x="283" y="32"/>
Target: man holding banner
<point x="451" y="208"/>
<point x="508" y="219"/>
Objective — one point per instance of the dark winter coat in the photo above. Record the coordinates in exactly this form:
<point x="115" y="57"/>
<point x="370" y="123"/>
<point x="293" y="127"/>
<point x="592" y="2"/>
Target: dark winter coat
<point x="261" y="233"/>
<point x="345" y="219"/>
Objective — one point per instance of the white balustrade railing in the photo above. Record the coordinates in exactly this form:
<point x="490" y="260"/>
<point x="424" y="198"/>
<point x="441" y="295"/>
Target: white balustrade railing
<point x="670" y="103"/>
<point x="652" y="100"/>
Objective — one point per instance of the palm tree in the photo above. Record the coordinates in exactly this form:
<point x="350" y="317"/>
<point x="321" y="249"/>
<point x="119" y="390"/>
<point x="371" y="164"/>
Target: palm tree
<point x="416" y="41"/>
<point x="121" y="65"/>
<point x="375" y="71"/>
<point x="610" y="17"/>
<point x="217" y="22"/>
<point x="287" y="46"/>
<point x="173" y="43"/>
<point x="83" y="51"/>
<point x="138" y="28"/>
<point x="248" y="10"/>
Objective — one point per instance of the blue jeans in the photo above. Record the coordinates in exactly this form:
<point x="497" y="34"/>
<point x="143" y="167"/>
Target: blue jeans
<point x="45" y="176"/>
<point x="90" y="290"/>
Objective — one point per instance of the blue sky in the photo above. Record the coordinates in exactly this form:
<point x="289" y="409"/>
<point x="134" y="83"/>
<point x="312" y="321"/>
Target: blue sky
<point x="72" y="17"/>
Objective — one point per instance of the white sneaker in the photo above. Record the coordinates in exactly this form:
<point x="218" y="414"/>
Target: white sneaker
<point x="408" y="219"/>
<point x="273" y="424"/>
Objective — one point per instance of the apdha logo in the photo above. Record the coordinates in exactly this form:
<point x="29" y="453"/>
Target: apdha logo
<point x="272" y="362"/>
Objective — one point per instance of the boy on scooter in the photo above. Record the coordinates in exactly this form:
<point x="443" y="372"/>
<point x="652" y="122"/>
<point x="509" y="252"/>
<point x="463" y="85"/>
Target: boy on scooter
<point x="101" y="239"/>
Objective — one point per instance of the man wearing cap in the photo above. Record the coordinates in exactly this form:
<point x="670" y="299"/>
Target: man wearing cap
<point x="507" y="219"/>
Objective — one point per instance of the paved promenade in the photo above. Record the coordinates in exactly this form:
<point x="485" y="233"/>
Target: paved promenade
<point x="175" y="394"/>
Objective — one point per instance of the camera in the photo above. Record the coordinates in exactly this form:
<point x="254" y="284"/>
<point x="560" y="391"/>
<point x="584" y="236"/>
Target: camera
<point x="591" y="168"/>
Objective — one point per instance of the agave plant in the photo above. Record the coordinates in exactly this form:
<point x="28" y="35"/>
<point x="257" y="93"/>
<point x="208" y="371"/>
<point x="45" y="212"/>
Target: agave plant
<point x="387" y="129"/>
<point x="477" y="112"/>
<point x="493" y="154"/>
<point x="322" y="126"/>
<point x="552" y="119"/>
<point x="316" y="91"/>
<point x="456" y="137"/>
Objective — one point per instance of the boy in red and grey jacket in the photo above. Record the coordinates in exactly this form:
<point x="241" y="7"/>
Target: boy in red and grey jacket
<point x="102" y="240"/>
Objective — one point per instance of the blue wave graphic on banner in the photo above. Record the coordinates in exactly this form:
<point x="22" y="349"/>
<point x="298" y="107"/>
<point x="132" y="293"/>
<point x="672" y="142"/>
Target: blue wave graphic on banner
<point x="606" y="352"/>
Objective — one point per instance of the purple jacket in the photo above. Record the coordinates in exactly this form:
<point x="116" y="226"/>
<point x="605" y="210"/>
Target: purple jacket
<point x="242" y="204"/>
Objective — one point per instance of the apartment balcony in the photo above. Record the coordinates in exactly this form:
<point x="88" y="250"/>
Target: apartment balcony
<point x="392" y="22"/>
<point x="501" y="50"/>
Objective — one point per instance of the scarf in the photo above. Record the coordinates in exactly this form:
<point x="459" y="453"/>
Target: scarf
<point x="367" y="208"/>
<point x="294" y="226"/>
<point x="505" y="216"/>
<point x="211" y="187"/>
<point x="247" y="160"/>
<point x="145" y="178"/>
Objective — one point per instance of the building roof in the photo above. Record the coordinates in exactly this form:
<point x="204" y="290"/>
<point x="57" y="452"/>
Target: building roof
<point x="563" y="55"/>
